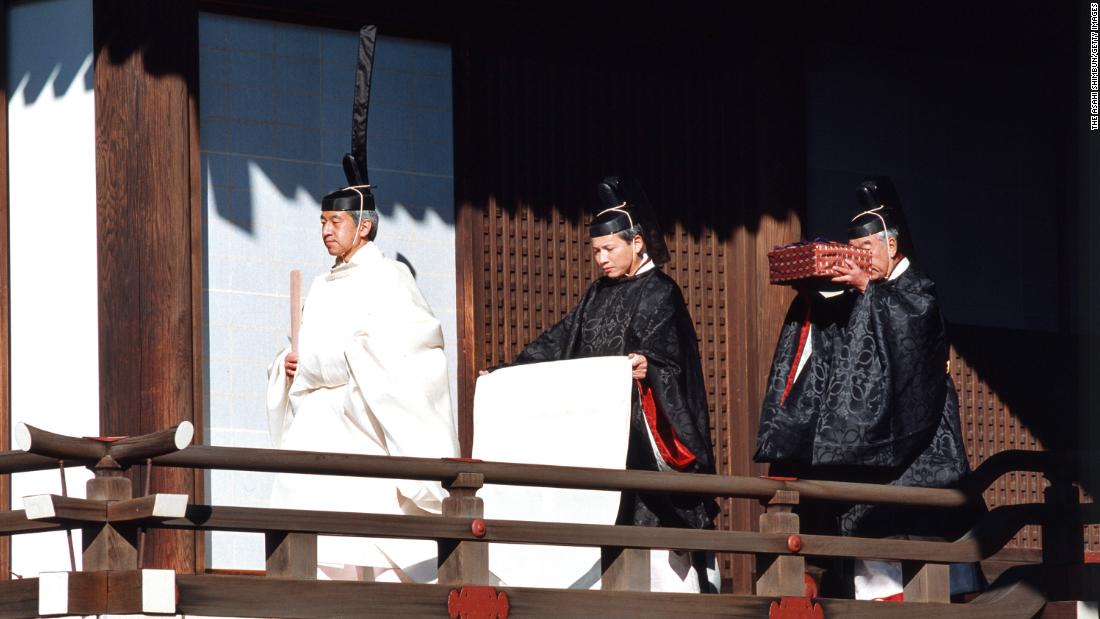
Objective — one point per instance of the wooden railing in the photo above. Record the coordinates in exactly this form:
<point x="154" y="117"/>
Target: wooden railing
<point x="112" y="581"/>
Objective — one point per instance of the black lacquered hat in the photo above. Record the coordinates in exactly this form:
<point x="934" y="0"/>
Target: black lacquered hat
<point x="879" y="208"/>
<point x="353" y="198"/>
<point x="625" y="205"/>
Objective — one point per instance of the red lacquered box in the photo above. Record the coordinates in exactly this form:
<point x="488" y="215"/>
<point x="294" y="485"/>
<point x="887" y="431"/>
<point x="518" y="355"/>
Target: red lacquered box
<point x="811" y="261"/>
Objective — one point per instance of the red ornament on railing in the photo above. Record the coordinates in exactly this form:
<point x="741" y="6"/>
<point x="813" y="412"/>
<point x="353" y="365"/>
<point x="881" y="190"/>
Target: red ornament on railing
<point x="794" y="542"/>
<point x="796" y="608"/>
<point x="478" y="528"/>
<point x="477" y="602"/>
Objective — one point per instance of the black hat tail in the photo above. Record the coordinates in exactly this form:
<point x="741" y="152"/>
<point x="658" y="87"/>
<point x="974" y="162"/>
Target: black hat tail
<point x="651" y="230"/>
<point x="355" y="163"/>
<point x="351" y="171"/>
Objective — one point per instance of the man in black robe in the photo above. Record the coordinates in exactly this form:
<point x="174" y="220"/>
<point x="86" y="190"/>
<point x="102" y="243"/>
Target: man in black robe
<point x="638" y="311"/>
<point x="859" y="389"/>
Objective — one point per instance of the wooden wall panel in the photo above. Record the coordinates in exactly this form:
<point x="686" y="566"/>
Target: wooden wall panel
<point x="146" y="193"/>
<point x="989" y="427"/>
<point x="1017" y="390"/>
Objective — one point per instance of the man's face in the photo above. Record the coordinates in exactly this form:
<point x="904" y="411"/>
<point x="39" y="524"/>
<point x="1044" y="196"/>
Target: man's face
<point x="881" y="253"/>
<point x="614" y="255"/>
<point x="339" y="232"/>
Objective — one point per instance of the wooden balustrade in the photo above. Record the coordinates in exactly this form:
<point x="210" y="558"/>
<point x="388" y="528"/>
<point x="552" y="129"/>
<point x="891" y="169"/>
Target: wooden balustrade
<point x="110" y="518"/>
<point x="444" y="470"/>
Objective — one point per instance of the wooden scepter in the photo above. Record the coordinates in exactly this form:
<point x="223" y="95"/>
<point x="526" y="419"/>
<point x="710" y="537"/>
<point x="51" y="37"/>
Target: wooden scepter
<point x="295" y="309"/>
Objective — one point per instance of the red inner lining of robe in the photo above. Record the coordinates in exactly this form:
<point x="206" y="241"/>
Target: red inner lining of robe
<point x="675" y="453"/>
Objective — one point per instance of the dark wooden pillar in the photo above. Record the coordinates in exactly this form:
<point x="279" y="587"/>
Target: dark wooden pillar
<point x="468" y="233"/>
<point x="5" y="299"/>
<point x="148" y="210"/>
<point x="772" y="194"/>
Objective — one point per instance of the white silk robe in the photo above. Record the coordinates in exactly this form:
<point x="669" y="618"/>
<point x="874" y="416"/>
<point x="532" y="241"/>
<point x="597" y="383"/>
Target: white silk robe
<point x="371" y="379"/>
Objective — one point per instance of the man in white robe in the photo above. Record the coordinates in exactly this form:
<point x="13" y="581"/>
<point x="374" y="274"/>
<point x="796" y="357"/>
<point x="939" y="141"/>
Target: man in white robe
<point x="370" y="377"/>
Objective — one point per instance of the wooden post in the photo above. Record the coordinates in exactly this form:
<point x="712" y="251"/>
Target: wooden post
<point x="780" y="575"/>
<point x="926" y="582"/>
<point x="464" y="563"/>
<point x="1063" y="538"/>
<point x="107" y="546"/>
<point x="1063" y="535"/>
<point x="291" y="555"/>
<point x="150" y="267"/>
<point x="624" y="569"/>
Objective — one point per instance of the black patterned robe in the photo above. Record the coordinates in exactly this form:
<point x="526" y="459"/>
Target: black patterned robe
<point x="873" y="404"/>
<point x="644" y="314"/>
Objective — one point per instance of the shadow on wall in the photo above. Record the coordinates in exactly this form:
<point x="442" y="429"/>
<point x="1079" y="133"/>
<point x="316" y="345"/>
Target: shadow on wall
<point x="711" y="126"/>
<point x="416" y="195"/>
<point x="1035" y="375"/>
<point x="48" y="49"/>
<point x="292" y="143"/>
<point x="403" y="259"/>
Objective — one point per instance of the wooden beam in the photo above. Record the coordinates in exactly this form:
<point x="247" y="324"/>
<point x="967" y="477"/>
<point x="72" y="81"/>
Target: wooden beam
<point x="58" y="446"/>
<point x="248" y="596"/>
<point x="145" y="86"/>
<point x="18" y="598"/>
<point x="54" y="508"/>
<point x="258" y="520"/>
<point x="90" y="593"/>
<point x="16" y="522"/>
<point x="321" y="463"/>
<point x="72" y="593"/>
<point x="148" y="508"/>
<point x="133" y="449"/>
<point x="21" y="461"/>
<point x="132" y="592"/>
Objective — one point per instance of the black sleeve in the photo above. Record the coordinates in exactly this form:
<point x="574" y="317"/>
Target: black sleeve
<point x="556" y="342"/>
<point x="667" y="339"/>
<point x="786" y="430"/>
<point x="886" y="391"/>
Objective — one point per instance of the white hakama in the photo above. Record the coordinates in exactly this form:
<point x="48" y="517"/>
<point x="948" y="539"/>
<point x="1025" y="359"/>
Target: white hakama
<point x="371" y="379"/>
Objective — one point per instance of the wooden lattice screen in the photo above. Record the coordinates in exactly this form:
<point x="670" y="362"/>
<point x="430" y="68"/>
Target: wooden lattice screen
<point x="989" y="427"/>
<point x="1016" y="392"/>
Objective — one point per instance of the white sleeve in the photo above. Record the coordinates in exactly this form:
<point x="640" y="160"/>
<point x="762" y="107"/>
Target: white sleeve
<point x="279" y="413"/>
